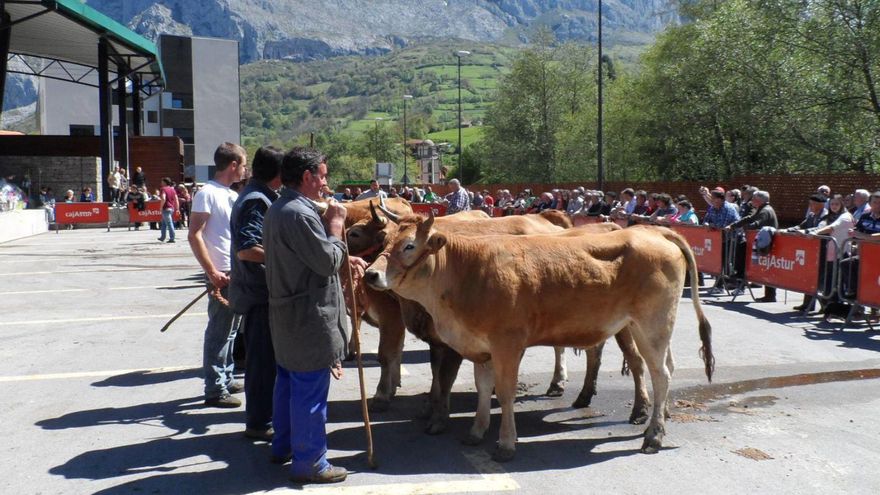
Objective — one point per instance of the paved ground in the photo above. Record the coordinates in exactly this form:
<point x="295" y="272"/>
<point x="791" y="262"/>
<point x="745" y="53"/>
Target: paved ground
<point x="96" y="400"/>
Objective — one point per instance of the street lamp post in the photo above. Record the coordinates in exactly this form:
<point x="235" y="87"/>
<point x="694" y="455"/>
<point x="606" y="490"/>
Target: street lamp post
<point x="601" y="168"/>
<point x="459" y="54"/>
<point x="405" y="150"/>
<point x="376" y="140"/>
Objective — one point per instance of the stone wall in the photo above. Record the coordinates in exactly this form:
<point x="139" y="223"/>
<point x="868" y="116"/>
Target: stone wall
<point x="58" y="172"/>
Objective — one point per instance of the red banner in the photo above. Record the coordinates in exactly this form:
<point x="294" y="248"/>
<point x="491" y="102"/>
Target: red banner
<point x="869" y="274"/>
<point x="424" y="209"/>
<point x="707" y="245"/>
<point x="66" y="213"/>
<point x="793" y="263"/>
<point x="152" y="212"/>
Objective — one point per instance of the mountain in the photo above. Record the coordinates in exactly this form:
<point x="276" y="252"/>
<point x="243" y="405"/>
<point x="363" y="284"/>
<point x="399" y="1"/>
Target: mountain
<point x="302" y="30"/>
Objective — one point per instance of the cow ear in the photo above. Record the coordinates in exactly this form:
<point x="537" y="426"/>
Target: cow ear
<point x="436" y="242"/>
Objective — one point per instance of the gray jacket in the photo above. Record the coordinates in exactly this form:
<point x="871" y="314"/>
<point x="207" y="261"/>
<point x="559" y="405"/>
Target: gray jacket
<point x="306" y="308"/>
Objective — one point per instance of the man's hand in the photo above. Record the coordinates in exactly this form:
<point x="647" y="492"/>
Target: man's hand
<point x="336" y="371"/>
<point x="358" y="265"/>
<point x="727" y="228"/>
<point x="334" y="218"/>
<point x="219" y="279"/>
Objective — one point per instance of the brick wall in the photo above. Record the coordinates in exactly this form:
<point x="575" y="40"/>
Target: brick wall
<point x="789" y="194"/>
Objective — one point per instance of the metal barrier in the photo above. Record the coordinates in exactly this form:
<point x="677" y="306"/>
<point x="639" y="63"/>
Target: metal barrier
<point x="862" y="266"/>
<point x="707" y="245"/>
<point x="795" y="262"/>
<point x="75" y="213"/>
<point x="152" y="212"/>
<point x="424" y="209"/>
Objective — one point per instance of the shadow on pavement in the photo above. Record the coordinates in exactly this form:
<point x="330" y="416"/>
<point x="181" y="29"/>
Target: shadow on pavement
<point x="852" y="339"/>
<point x="141" y="378"/>
<point x="242" y="465"/>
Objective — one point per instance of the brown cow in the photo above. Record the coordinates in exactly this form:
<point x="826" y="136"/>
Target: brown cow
<point x="446" y="362"/>
<point x="537" y="286"/>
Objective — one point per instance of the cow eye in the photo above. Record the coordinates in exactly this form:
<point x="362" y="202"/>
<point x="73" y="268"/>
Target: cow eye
<point x="353" y="233"/>
<point x="409" y="246"/>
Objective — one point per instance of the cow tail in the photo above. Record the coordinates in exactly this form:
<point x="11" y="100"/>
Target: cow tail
<point x="705" y="327"/>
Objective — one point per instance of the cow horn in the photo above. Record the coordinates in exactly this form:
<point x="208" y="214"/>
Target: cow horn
<point x="376" y="217"/>
<point x="388" y="213"/>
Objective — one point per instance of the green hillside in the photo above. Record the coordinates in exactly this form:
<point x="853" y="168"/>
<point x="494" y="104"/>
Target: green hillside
<point x="281" y="100"/>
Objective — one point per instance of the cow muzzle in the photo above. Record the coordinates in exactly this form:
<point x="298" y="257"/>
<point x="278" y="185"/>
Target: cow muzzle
<point x="376" y="279"/>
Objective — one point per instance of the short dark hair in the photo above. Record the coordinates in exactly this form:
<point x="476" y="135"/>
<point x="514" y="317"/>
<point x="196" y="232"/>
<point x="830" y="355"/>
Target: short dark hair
<point x="629" y="192"/>
<point x="267" y="163"/>
<point x="611" y="194"/>
<point x="227" y="153"/>
<point x="687" y="204"/>
<point x="167" y="181"/>
<point x="664" y="198"/>
<point x="297" y="161"/>
<point x="642" y="194"/>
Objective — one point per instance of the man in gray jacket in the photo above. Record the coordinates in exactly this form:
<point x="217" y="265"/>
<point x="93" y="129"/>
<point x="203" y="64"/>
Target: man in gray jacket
<point x="310" y="333"/>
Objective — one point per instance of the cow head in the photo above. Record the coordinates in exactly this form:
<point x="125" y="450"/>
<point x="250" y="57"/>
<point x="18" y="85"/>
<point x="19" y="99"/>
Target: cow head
<point x="414" y="242"/>
<point x="368" y="238"/>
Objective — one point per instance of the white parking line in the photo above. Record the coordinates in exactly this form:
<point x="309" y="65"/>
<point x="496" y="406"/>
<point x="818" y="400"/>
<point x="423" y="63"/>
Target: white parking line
<point x="107" y="270"/>
<point x="32" y="260"/>
<point x="94" y="319"/>
<point x="137" y="287"/>
<point x="92" y="374"/>
<point x="492" y="479"/>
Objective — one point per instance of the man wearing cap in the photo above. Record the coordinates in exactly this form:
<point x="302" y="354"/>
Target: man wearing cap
<point x="815" y="213"/>
<point x="762" y="216"/>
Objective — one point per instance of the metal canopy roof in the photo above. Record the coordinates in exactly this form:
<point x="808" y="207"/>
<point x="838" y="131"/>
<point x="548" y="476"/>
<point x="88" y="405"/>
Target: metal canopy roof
<point x="67" y="32"/>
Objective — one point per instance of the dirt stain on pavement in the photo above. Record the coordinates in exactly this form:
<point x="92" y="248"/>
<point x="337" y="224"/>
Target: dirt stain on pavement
<point x="709" y="393"/>
<point x="753" y="454"/>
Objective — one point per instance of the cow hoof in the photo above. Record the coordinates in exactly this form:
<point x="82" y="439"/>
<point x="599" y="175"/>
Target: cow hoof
<point x="435" y="427"/>
<point x="503" y="454"/>
<point x="638" y="417"/>
<point x="651" y="446"/>
<point x="583" y="400"/>
<point x="555" y="390"/>
<point x="472" y="440"/>
<point x="379" y="405"/>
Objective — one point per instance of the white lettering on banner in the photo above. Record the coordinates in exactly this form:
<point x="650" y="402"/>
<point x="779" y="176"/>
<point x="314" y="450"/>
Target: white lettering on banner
<point x="698" y="251"/>
<point x="768" y="262"/>
<point x="77" y="214"/>
<point x="708" y="245"/>
<point x="148" y="212"/>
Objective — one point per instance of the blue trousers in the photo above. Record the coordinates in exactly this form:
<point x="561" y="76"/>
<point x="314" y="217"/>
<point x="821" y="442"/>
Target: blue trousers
<point x="217" y="351"/>
<point x="259" y="377"/>
<point x="300" y="418"/>
<point x="167" y="223"/>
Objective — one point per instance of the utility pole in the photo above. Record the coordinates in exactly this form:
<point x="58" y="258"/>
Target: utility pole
<point x="405" y="149"/>
<point x="601" y="166"/>
<point x="459" y="54"/>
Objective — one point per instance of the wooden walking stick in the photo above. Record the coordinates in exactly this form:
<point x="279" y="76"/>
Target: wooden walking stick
<point x="356" y="324"/>
<point x="185" y="308"/>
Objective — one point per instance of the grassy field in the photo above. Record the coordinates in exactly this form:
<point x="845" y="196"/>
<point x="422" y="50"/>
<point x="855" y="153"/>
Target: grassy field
<point x="468" y="135"/>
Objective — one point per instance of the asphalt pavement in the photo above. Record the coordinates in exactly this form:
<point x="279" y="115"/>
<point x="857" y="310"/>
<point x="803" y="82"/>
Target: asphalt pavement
<point x="97" y="400"/>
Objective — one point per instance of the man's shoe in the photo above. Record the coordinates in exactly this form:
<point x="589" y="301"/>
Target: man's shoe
<point x="716" y="291"/>
<point x="800" y="307"/>
<point x="765" y="299"/>
<point x="161" y="239"/>
<point x="738" y="292"/>
<point x="235" y="388"/>
<point x="333" y="474"/>
<point x="255" y="434"/>
<point x="280" y="459"/>
<point x="171" y="241"/>
<point x="225" y="401"/>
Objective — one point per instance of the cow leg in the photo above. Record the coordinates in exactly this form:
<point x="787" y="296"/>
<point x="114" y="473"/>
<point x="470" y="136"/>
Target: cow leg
<point x="505" y="361"/>
<point x="636" y="365"/>
<point x="484" y="379"/>
<point x="654" y="349"/>
<point x="450" y="362"/>
<point x="670" y="364"/>
<point x="594" y="361"/>
<point x="437" y="350"/>
<point x="560" y="374"/>
<point x="391" y="338"/>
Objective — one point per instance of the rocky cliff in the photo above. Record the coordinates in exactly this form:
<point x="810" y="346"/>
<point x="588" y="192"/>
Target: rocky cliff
<point x="316" y="29"/>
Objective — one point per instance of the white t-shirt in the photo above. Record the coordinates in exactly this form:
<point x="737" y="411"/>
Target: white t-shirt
<point x="216" y="200"/>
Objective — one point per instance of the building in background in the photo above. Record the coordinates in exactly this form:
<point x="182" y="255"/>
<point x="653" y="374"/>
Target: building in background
<point x="200" y="104"/>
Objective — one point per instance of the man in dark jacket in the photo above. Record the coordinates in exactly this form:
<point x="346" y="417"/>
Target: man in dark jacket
<point x="248" y="294"/>
<point x="304" y="253"/>
<point x="762" y="215"/>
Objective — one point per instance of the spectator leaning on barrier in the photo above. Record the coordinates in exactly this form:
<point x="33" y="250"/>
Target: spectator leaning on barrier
<point x="816" y="212"/>
<point x="429" y="196"/>
<point x="860" y="203"/>
<point x="458" y="200"/>
<point x="86" y="196"/>
<point x="168" y="196"/>
<point x="211" y="243"/>
<point x="248" y="293"/>
<point x="123" y="187"/>
<point x="762" y="216"/>
<point x="575" y="203"/>
<point x="685" y="213"/>
<point x="867" y="228"/>
<point x="746" y="208"/>
<point x="664" y="207"/>
<point x="373" y="192"/>
<point x="837" y="224"/>
<point x="139" y="199"/>
<point x="488" y="200"/>
<point x="346" y="195"/>
<point x="113" y="181"/>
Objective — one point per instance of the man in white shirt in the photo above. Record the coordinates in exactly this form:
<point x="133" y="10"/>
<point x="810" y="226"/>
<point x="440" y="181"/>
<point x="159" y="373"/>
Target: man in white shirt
<point x="210" y="240"/>
<point x="373" y="192"/>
